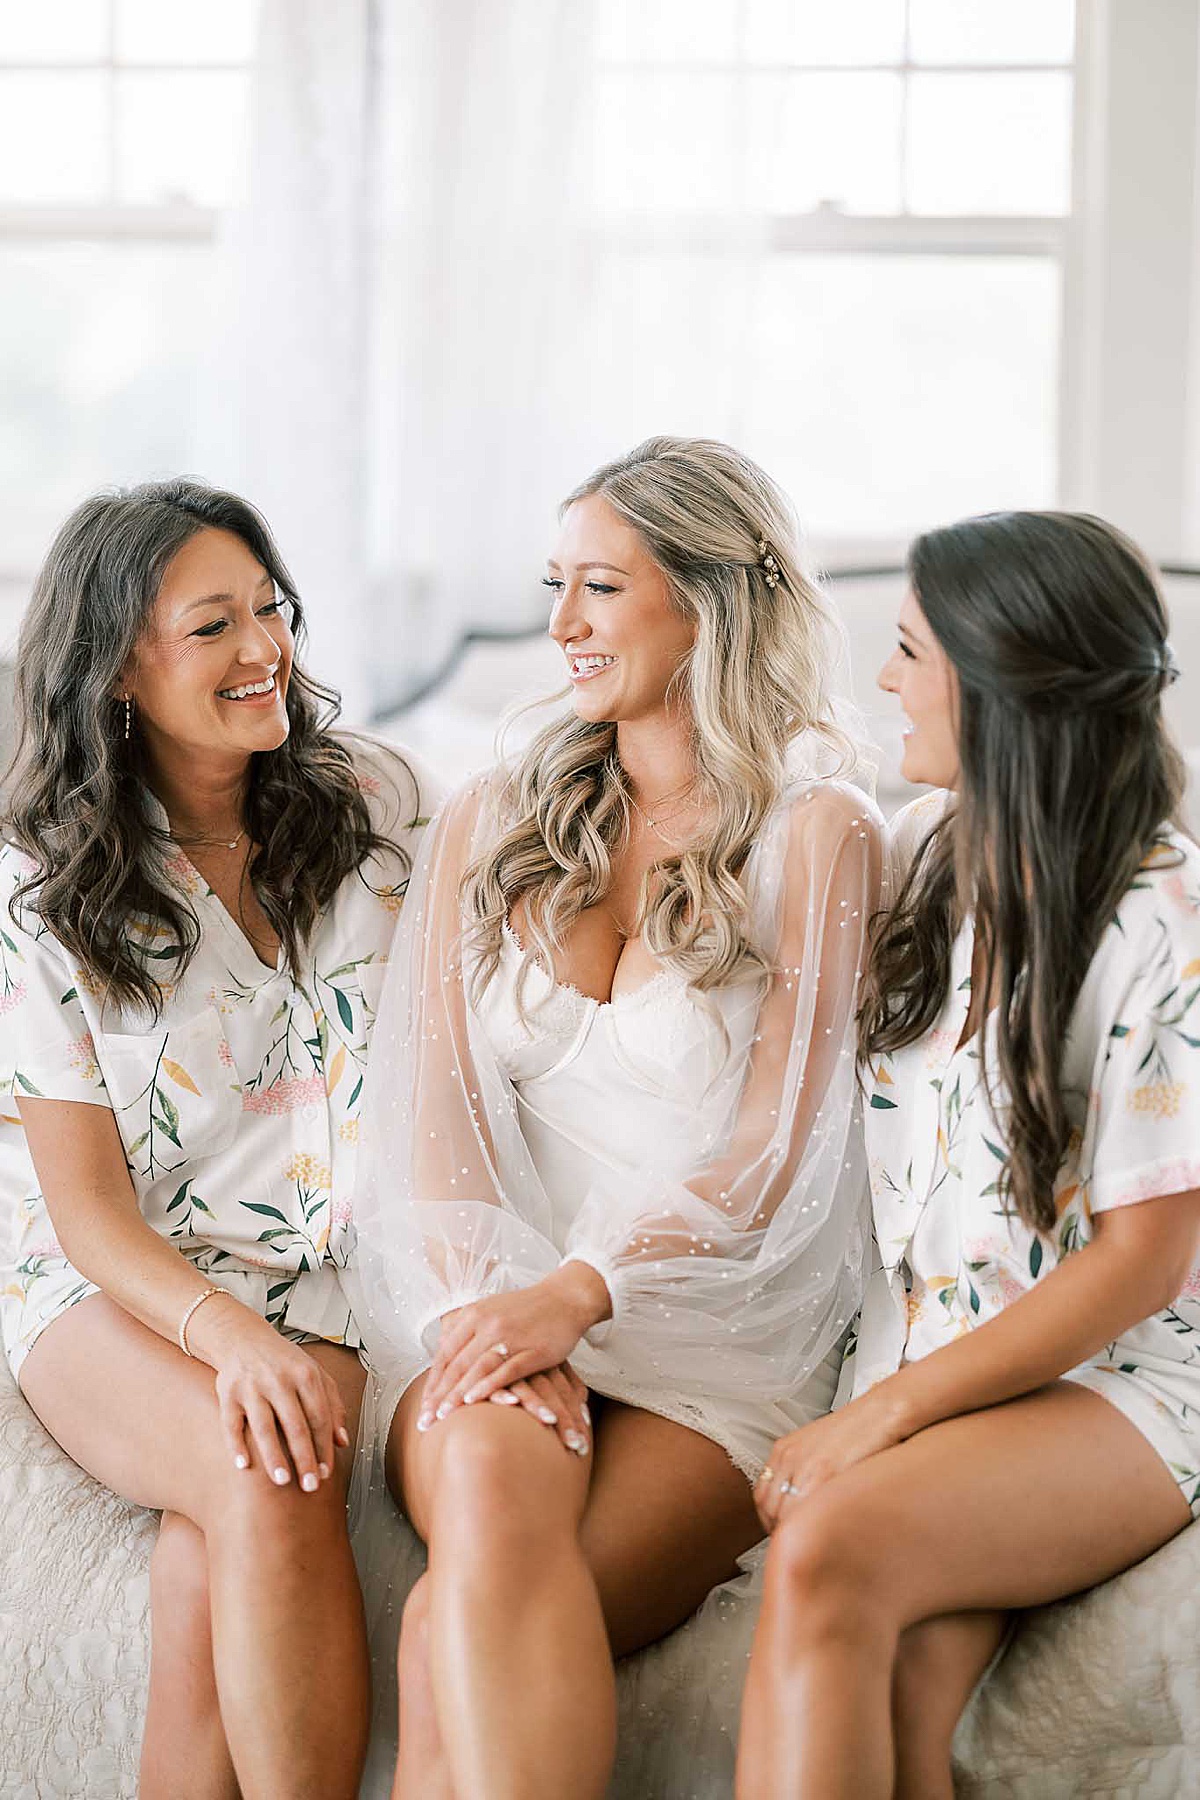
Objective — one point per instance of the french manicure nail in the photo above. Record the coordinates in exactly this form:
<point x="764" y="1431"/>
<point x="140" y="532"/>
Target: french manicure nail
<point x="576" y="1441"/>
<point x="343" y="1437"/>
<point x="323" y="1471"/>
<point x="241" y="1462"/>
<point x="444" y="1410"/>
<point x="502" y="1397"/>
<point x="425" y="1421"/>
<point x="310" y="1482"/>
<point x="470" y="1398"/>
<point x="281" y="1477"/>
<point x="546" y="1416"/>
<point x="586" y="1410"/>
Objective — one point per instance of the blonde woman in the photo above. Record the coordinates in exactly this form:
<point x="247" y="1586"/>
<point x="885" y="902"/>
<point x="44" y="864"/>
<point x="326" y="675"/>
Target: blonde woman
<point x="611" y="1177"/>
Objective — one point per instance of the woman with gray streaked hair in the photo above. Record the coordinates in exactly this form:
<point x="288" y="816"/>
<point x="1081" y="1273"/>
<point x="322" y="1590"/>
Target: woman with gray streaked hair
<point x="611" y="1133"/>
<point x="196" y="901"/>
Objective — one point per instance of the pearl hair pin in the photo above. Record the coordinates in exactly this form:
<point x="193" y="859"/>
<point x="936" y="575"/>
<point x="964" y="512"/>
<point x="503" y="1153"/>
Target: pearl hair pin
<point x="771" y="570"/>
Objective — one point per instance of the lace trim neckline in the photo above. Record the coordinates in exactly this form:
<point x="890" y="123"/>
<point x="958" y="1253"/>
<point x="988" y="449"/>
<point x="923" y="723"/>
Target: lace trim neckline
<point x="633" y="997"/>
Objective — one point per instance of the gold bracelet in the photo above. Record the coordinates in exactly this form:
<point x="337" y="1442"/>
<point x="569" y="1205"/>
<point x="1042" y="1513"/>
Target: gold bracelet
<point x="187" y="1317"/>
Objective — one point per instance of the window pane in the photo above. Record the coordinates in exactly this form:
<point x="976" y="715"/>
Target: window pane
<point x="666" y="30"/>
<point x="981" y="31"/>
<point x="825" y="140"/>
<point x="220" y="31"/>
<point x="65" y="31"/>
<point x="53" y="137"/>
<point x="182" y="137"/>
<point x="989" y="143"/>
<point x="891" y="392"/>
<point x="815" y="32"/>
<point x="666" y="142"/>
<point x="98" y="366"/>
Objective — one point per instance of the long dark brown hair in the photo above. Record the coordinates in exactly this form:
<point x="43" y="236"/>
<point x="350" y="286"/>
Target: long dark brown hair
<point x="76" y="786"/>
<point x="1057" y="629"/>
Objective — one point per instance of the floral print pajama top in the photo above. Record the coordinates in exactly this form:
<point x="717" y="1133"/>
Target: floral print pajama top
<point x="237" y="1108"/>
<point x="951" y="1258"/>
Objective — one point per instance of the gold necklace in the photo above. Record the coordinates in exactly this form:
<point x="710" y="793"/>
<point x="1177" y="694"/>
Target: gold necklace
<point x="655" y="827"/>
<point x="202" y="843"/>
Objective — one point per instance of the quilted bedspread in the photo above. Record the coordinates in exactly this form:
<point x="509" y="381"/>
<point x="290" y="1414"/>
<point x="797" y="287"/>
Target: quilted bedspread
<point x="1096" y="1696"/>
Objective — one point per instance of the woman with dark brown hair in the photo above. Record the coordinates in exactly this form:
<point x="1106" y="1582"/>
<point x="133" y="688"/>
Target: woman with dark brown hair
<point x="1025" y="1419"/>
<point x="196" y="901"/>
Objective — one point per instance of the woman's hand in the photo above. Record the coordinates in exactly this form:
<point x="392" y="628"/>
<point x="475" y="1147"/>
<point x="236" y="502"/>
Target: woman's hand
<point x="508" y="1338"/>
<point x="270" y="1394"/>
<point x="557" y="1397"/>
<point x="806" y="1459"/>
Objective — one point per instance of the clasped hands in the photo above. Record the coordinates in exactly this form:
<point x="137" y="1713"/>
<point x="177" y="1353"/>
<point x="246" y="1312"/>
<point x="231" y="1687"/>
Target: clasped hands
<point x="513" y="1349"/>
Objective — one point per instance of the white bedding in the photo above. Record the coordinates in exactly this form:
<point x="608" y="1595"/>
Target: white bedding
<point x="1099" y="1696"/>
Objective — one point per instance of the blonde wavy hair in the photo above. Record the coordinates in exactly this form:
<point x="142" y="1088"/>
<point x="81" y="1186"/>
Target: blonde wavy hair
<point x="754" y="680"/>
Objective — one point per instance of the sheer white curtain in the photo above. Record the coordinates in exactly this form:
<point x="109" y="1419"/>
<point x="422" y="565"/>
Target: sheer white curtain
<point x="404" y="297"/>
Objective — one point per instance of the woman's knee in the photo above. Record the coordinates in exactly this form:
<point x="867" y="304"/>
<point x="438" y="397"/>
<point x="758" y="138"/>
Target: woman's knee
<point x="823" y="1566"/>
<point x="495" y="1489"/>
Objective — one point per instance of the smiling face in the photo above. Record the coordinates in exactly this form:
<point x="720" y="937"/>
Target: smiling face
<point x="925" y="682"/>
<point x="614" y="618"/>
<point x="210" y="672"/>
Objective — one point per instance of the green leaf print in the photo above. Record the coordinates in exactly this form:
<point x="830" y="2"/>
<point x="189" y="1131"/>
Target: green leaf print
<point x="345" y="1010"/>
<point x="355" y="1092"/>
<point x="881" y="1104"/>
<point x="180" y="1196"/>
<point x="170" y="1113"/>
<point x="999" y="1154"/>
<point x="168" y="1130"/>
<point x="71" y="994"/>
<point x="22" y="1081"/>
<point x="268" y="1212"/>
<point x="973" y="1296"/>
<point x="1035" y="1257"/>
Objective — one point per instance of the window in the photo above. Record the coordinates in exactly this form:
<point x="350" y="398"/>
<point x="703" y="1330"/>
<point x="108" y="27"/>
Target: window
<point x="835" y="235"/>
<point x="122" y="131"/>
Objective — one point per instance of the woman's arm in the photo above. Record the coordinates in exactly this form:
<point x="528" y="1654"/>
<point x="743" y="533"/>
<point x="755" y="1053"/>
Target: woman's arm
<point x="1135" y="1265"/>
<point x="264" y="1383"/>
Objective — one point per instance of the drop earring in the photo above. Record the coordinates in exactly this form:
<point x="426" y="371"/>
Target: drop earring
<point x="128" y="718"/>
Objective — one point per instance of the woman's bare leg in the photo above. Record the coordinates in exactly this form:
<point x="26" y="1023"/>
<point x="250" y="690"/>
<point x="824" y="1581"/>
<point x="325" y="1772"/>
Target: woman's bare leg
<point x="183" y="1746"/>
<point x="422" y="1772"/>
<point x="990" y="1511"/>
<point x="938" y="1663"/>
<point x="667" y="1517"/>
<point x="288" y="1638"/>
<point x="518" y="1656"/>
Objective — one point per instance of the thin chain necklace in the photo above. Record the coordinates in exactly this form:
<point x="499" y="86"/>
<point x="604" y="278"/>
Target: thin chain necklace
<point x="653" y="825"/>
<point x="203" y="843"/>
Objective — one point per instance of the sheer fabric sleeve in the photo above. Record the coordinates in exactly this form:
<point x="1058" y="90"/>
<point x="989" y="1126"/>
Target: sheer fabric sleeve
<point x="448" y="1206"/>
<point x="736" y="1278"/>
<point x="744" y="1274"/>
